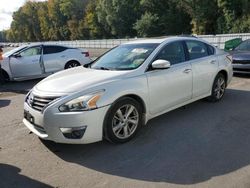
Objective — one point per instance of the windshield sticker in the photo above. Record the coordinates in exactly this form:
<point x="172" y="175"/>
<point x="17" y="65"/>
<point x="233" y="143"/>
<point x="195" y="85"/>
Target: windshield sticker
<point x="139" y="51"/>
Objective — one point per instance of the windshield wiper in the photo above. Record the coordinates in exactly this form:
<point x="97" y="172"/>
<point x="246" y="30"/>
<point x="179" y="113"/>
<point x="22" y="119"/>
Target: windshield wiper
<point x="103" y="68"/>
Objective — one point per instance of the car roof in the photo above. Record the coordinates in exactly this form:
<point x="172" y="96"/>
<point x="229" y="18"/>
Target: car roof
<point x="39" y="44"/>
<point x="161" y="40"/>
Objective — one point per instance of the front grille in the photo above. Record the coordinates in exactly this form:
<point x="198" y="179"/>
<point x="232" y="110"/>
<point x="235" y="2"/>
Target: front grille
<point x="241" y="62"/>
<point x="39" y="103"/>
<point x="241" y="70"/>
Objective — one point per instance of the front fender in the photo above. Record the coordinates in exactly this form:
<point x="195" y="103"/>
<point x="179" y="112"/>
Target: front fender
<point x="128" y="86"/>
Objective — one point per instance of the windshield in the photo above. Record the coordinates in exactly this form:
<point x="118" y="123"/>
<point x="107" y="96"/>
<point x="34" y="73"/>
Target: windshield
<point x="244" y="46"/>
<point x="125" y="57"/>
<point x="7" y="54"/>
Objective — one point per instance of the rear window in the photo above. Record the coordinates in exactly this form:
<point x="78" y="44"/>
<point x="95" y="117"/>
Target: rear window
<point x="53" y="49"/>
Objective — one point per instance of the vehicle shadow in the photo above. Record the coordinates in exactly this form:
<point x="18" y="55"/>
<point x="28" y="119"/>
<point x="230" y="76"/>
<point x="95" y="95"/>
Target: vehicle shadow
<point x="11" y="177"/>
<point x="4" y="103"/>
<point x="186" y="146"/>
<point x="21" y="87"/>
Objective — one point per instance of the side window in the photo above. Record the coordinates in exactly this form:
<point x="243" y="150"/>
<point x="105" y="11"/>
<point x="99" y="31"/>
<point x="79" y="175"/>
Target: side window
<point x="173" y="52"/>
<point x="211" y="50"/>
<point x="196" y="49"/>
<point x="31" y="51"/>
<point x="53" y="49"/>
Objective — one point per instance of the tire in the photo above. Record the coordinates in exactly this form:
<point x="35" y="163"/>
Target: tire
<point x="218" y="89"/>
<point x="5" y="75"/>
<point x="123" y="120"/>
<point x="72" y="64"/>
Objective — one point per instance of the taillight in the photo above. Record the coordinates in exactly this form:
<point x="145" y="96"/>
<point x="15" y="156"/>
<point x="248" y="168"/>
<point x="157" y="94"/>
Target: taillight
<point x="86" y="54"/>
<point x="230" y="58"/>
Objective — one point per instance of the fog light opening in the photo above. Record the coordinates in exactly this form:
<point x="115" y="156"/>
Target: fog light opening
<point x="73" y="132"/>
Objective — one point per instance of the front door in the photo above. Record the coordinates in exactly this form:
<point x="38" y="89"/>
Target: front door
<point x="26" y="63"/>
<point x="173" y="86"/>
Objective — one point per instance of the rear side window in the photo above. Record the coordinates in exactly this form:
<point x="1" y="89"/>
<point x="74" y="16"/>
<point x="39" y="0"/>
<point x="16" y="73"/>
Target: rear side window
<point x="197" y="49"/>
<point x="173" y="52"/>
<point x="210" y="49"/>
<point x="53" y="49"/>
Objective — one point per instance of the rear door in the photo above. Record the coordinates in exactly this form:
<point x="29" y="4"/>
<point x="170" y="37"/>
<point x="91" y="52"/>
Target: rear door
<point x="26" y="63"/>
<point x="53" y="58"/>
<point x="204" y="65"/>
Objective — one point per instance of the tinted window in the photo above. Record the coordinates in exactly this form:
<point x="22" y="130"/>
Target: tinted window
<point x="197" y="49"/>
<point x="174" y="53"/>
<point x="53" y="49"/>
<point x="244" y="46"/>
<point x="31" y="51"/>
<point x="211" y="50"/>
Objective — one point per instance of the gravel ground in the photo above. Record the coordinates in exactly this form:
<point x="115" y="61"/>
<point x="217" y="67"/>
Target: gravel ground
<point x="201" y="145"/>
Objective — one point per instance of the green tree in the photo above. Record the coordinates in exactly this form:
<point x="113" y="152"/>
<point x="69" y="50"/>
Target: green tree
<point x="203" y="15"/>
<point x="234" y="16"/>
<point x="117" y="17"/>
<point x="162" y="17"/>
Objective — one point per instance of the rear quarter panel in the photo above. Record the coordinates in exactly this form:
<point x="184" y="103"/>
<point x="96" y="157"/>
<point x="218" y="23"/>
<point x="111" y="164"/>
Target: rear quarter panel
<point x="225" y="64"/>
<point x="75" y="55"/>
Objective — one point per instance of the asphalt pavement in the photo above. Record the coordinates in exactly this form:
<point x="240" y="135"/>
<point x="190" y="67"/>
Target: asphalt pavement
<point x="200" y="145"/>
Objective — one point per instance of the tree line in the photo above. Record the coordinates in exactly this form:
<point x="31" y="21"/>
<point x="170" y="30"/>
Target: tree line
<point x="97" y="19"/>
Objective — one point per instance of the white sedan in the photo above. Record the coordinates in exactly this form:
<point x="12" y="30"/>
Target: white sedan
<point x="38" y="61"/>
<point x="118" y="93"/>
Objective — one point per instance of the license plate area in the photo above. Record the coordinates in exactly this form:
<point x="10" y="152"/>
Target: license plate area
<point x="28" y="117"/>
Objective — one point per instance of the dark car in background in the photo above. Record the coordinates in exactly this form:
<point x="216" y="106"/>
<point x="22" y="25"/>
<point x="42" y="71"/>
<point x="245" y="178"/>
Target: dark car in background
<point x="241" y="58"/>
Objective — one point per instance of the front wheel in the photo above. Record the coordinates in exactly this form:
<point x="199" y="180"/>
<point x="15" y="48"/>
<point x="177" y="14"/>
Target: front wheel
<point x="218" y="89"/>
<point x="123" y="120"/>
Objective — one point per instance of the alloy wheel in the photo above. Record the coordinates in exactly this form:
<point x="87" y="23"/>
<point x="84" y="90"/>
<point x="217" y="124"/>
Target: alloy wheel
<point x="220" y="87"/>
<point x="72" y="65"/>
<point x="125" y="121"/>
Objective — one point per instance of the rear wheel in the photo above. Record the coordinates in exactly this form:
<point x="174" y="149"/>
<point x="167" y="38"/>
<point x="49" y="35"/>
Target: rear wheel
<point x="72" y="64"/>
<point x="219" y="88"/>
<point x="123" y="120"/>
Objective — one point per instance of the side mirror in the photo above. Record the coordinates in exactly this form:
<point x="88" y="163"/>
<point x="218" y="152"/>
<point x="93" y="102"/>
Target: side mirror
<point x="161" y="64"/>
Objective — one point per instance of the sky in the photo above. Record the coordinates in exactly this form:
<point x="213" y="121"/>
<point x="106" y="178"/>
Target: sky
<point x="7" y="7"/>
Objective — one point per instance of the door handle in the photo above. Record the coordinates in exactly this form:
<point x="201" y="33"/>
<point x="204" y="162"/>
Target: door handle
<point x="213" y="61"/>
<point x="187" y="71"/>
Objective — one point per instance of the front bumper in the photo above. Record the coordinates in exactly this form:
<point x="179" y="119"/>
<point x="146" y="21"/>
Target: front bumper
<point x="47" y="125"/>
<point x="241" y="68"/>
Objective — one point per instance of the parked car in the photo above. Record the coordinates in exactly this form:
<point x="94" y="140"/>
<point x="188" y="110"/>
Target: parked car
<point x="241" y="58"/>
<point x="38" y="61"/>
<point x="119" y="92"/>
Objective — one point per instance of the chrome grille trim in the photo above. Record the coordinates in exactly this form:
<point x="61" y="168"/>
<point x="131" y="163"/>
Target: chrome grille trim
<point x="39" y="103"/>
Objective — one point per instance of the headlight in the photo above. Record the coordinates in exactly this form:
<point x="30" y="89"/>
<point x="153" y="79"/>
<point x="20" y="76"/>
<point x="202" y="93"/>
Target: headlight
<point x="83" y="103"/>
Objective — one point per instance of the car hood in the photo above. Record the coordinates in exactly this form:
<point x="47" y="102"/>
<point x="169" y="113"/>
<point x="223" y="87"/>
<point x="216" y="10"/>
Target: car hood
<point x="240" y="55"/>
<point x="76" y="79"/>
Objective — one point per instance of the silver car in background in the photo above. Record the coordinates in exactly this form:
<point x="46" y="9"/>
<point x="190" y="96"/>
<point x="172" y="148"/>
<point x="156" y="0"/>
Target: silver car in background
<point x="119" y="92"/>
<point x="38" y="61"/>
